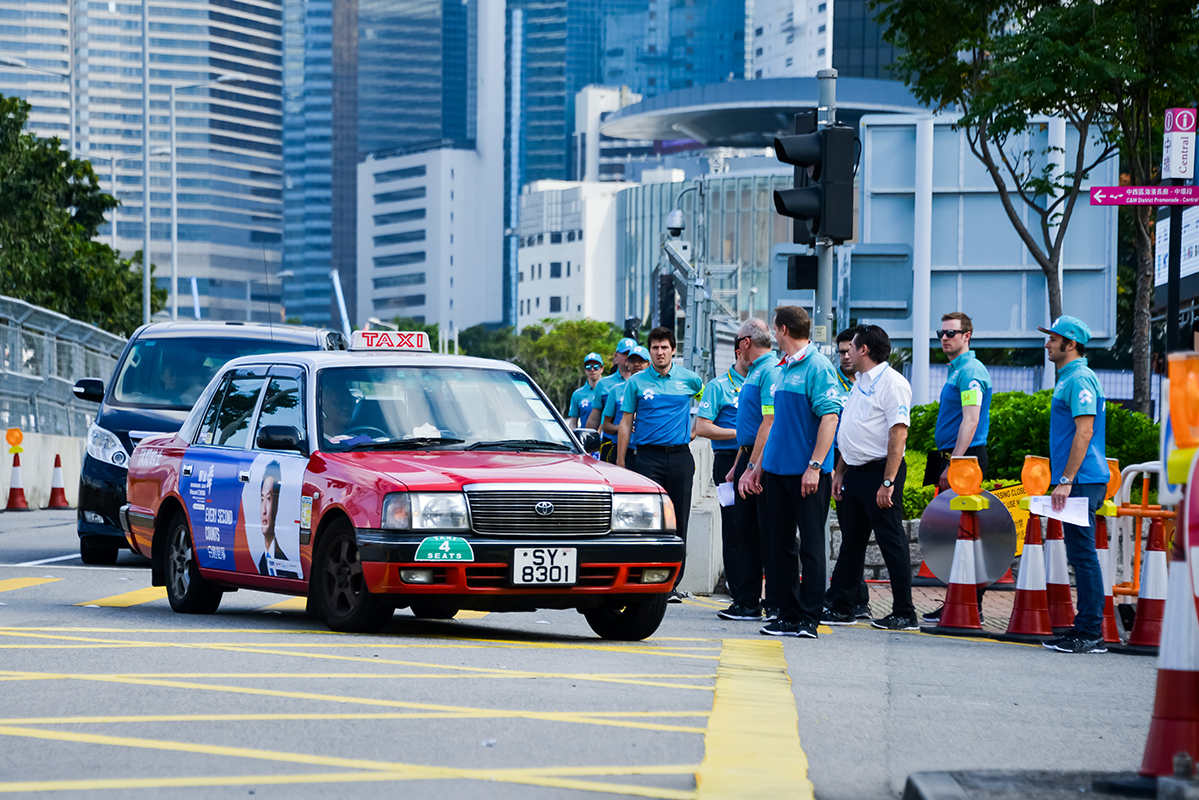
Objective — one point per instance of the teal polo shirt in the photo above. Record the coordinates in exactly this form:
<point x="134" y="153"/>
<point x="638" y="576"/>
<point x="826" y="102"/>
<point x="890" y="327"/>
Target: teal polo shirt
<point x="614" y="408"/>
<point x="581" y="403"/>
<point x="662" y="404"/>
<point x="719" y="405"/>
<point x="749" y="409"/>
<point x="805" y="389"/>
<point x="1078" y="393"/>
<point x="968" y="384"/>
<point x="604" y="387"/>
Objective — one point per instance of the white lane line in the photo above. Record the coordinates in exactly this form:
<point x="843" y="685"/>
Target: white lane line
<point x="44" y="561"/>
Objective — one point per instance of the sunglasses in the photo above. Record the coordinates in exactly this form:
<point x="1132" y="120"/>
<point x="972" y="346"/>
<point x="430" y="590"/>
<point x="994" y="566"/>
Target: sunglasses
<point x="950" y="334"/>
<point x="593" y="366"/>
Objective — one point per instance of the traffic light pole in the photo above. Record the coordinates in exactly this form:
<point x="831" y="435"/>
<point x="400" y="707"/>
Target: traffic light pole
<point x="823" y="312"/>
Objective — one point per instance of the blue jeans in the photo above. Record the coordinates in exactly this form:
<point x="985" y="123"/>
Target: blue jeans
<point x="1080" y="552"/>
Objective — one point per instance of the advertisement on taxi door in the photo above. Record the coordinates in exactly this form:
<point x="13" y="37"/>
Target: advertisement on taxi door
<point x="270" y="506"/>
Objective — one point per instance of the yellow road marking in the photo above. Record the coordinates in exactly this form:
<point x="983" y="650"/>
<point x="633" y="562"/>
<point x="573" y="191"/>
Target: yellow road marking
<point x="8" y="584"/>
<point x="307" y="716"/>
<point x="127" y="599"/>
<point x="470" y="614"/>
<point x="290" y="604"/>
<point x="752" y="746"/>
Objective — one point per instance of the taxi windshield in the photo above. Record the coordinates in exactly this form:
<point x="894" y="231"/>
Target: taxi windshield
<point x="434" y="407"/>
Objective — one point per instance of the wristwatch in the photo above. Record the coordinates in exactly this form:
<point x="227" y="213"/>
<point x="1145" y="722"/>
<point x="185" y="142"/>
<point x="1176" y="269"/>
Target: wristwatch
<point x="887" y="484"/>
<point x="1064" y="481"/>
<point x="750" y="465"/>
<point x="814" y="465"/>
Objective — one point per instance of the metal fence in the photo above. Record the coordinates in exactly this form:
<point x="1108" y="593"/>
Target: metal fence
<point x="42" y="354"/>
<point x="1117" y="384"/>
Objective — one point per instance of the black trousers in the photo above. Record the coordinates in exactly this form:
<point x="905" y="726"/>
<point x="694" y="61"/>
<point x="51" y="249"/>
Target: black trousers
<point x="675" y="473"/>
<point x="860" y="515"/>
<point x="789" y="509"/>
<point x="863" y="590"/>
<point x="750" y="558"/>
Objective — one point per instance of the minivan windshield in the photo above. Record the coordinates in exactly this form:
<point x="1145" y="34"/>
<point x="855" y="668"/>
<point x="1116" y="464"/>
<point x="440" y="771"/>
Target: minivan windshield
<point x="172" y="372"/>
<point x="399" y="408"/>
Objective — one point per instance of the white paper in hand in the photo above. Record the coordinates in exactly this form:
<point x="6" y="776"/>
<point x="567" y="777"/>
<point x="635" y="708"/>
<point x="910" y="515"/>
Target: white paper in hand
<point x="726" y="494"/>
<point x="1074" y="513"/>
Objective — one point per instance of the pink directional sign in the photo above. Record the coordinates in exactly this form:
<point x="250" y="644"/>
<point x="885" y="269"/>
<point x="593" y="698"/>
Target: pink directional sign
<point x="1145" y="195"/>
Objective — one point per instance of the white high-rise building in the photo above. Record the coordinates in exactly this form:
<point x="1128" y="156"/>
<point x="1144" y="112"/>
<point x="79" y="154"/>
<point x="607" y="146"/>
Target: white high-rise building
<point x="791" y="38"/>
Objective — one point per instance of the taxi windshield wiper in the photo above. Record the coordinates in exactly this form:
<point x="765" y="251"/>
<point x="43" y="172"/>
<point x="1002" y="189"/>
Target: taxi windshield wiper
<point x="517" y="444"/>
<point x="417" y="443"/>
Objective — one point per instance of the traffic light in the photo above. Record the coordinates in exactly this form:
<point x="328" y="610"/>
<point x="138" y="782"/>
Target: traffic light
<point x="666" y="302"/>
<point x="802" y="272"/>
<point x="822" y="200"/>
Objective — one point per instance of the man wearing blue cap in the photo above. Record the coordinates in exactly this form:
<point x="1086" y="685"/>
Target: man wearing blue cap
<point x="613" y="411"/>
<point x="584" y="397"/>
<point x="1078" y="464"/>
<point x="659" y="402"/>
<point x="615" y="381"/>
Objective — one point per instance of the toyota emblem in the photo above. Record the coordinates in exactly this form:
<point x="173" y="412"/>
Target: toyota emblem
<point x="544" y="508"/>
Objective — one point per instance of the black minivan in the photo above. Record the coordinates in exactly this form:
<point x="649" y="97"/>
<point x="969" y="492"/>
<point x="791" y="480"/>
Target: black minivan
<point x="164" y="368"/>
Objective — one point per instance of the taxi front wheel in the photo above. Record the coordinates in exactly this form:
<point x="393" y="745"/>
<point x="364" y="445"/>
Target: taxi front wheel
<point x="187" y="591"/>
<point x="628" y="621"/>
<point x="339" y="586"/>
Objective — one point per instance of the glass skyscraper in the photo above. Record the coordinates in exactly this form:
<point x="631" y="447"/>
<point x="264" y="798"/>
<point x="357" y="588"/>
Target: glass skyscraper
<point x="858" y="47"/>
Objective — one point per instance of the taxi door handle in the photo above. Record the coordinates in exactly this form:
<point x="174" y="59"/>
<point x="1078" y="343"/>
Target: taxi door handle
<point x="187" y="469"/>
<point x="244" y="476"/>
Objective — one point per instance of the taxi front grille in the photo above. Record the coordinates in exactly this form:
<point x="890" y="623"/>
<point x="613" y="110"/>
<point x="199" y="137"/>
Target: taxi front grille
<point x="516" y="513"/>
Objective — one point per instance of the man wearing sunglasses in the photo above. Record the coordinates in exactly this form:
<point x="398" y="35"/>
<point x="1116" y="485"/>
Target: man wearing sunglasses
<point x="964" y="415"/>
<point x="584" y="397"/>
<point x="606" y="385"/>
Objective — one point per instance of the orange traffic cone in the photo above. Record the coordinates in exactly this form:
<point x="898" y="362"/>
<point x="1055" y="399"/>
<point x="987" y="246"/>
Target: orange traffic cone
<point x="1057" y="579"/>
<point x="925" y="577"/>
<point x="1151" y="600"/>
<point x="58" y="492"/>
<point x="960" y="613"/>
<point x="1111" y="631"/>
<point x="1175" y="724"/>
<point x="1030" y="607"/>
<point x="16" y="489"/>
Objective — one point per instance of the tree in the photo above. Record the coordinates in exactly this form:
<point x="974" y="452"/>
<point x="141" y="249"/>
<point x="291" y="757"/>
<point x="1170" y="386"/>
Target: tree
<point x="552" y="352"/>
<point x="1101" y="66"/>
<point x="48" y="252"/>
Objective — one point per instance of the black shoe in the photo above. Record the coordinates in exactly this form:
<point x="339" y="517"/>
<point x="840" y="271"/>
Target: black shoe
<point x="830" y="617"/>
<point x="893" y="622"/>
<point x="933" y="616"/>
<point x="780" y="628"/>
<point x="807" y="630"/>
<point x="770" y="613"/>
<point x="737" y="611"/>
<point x="1074" y="643"/>
<point x="676" y="596"/>
<point x="862" y="612"/>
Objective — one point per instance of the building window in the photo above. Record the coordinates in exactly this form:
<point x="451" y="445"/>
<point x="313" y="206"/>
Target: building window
<point x="820" y="9"/>
<point x="555" y="305"/>
<point x="406" y="301"/>
<point x="399" y="174"/>
<point x="538" y="303"/>
<point x="568" y="269"/>
<point x="652" y="48"/>
<point x="820" y="52"/>
<point x="757" y="31"/>
<point x="539" y="274"/>
<point x="540" y="238"/>
<point x="399" y="238"/>
<point x="411" y="279"/>
<point x="651" y="81"/>
<point x="555" y="238"/>
<point x="758" y="52"/>
<point x="555" y="269"/>
<point x="790" y="38"/>
<point x="400" y="259"/>
<point x="757" y="73"/>
<point x="580" y="309"/>
<point x="822" y="29"/>
<point x="580" y="235"/>
<point x="400" y="196"/>
<point x="399" y="216"/>
<point x="789" y="60"/>
<point x="520" y="277"/>
<point x="570" y="236"/>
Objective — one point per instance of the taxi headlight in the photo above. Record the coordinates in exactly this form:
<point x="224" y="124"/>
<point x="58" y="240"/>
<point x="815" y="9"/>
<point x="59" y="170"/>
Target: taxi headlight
<point x="672" y="523"/>
<point x="397" y="511"/>
<point x="637" y="512"/>
<point x="103" y="445"/>
<point x="443" y="511"/>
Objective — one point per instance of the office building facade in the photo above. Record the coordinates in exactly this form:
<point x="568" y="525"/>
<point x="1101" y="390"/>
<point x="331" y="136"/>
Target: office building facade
<point x="791" y="38"/>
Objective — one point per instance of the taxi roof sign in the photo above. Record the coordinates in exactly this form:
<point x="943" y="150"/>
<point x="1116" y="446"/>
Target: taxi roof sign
<point x="409" y="341"/>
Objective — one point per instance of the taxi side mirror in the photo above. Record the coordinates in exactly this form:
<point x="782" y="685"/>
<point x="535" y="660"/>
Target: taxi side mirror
<point x="281" y="437"/>
<point x="589" y="438"/>
<point x="90" y="389"/>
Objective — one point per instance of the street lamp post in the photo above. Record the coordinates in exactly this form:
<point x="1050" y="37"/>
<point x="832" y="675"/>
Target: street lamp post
<point x="19" y="63"/>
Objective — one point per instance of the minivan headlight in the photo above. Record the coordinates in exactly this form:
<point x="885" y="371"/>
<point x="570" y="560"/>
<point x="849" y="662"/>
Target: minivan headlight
<point x="637" y="512"/>
<point x="103" y="445"/>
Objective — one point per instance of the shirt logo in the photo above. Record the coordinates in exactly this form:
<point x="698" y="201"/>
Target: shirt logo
<point x="679" y="385"/>
<point x="976" y="386"/>
<point x="903" y="411"/>
<point x="1085" y="397"/>
<point x="648" y="394"/>
<point x="705" y="404"/>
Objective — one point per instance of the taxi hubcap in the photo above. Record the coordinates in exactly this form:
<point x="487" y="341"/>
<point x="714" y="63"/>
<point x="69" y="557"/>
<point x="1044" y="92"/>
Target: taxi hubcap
<point x="180" y="562"/>
<point x="344" y="574"/>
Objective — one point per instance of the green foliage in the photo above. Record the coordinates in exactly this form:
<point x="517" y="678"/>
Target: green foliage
<point x="432" y="331"/>
<point x="48" y="253"/>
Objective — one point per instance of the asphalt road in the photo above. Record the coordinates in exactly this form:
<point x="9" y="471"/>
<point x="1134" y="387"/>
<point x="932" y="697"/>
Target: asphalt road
<point x="108" y="693"/>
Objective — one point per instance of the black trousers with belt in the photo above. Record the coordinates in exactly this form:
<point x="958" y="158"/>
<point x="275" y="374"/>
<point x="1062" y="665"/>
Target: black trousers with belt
<point x="789" y="509"/>
<point x="860" y="514"/>
<point x="748" y="557"/>
<point x="673" y="468"/>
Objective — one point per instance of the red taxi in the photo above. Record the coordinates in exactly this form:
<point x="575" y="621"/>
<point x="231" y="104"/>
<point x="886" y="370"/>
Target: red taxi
<point x="389" y="477"/>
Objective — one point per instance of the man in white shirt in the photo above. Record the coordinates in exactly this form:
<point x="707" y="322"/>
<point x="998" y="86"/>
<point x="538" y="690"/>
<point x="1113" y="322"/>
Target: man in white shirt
<point x="868" y="482"/>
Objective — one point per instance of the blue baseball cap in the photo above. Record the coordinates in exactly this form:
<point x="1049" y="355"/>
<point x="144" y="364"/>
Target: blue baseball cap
<point x="625" y="345"/>
<point x="1071" y="328"/>
<point x="640" y="352"/>
<point x="593" y="358"/>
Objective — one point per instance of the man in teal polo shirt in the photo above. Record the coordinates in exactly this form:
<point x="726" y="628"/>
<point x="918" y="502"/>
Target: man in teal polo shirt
<point x="1078" y="464"/>
<point x="613" y="410"/>
<point x="658" y="403"/>
<point x="606" y="385"/>
<point x="583" y="397"/>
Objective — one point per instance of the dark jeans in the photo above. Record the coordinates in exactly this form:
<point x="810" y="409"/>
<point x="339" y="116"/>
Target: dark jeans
<point x="789" y="509"/>
<point x="860" y="514"/>
<point x="1080" y="552"/>
<point x="745" y="561"/>
<point x="674" y="472"/>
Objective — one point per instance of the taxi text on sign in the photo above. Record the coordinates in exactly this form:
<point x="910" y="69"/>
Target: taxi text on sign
<point x="390" y="340"/>
<point x="1178" y="144"/>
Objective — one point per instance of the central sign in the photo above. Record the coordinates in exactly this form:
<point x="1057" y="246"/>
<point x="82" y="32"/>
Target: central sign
<point x="1144" y="195"/>
<point x="1178" y="144"/>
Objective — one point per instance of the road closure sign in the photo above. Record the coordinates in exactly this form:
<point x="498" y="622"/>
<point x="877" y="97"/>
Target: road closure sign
<point x="1178" y="145"/>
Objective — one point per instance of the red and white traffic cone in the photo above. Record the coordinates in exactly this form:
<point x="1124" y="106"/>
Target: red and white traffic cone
<point x="960" y="613"/>
<point x="1110" y="630"/>
<point x="58" y="492"/>
<point x="16" y="489"/>
<point x="1175" y="724"/>
<point x="1030" y="607"/>
<point x="1151" y="600"/>
<point x="1057" y="579"/>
